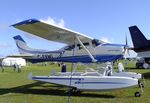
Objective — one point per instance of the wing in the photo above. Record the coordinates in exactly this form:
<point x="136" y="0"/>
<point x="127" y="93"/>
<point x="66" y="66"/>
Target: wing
<point x="51" y="32"/>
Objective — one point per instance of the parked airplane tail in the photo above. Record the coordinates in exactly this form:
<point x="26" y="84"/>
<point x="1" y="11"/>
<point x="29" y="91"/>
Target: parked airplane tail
<point x="25" y="49"/>
<point x="22" y="46"/>
<point x="138" y="38"/>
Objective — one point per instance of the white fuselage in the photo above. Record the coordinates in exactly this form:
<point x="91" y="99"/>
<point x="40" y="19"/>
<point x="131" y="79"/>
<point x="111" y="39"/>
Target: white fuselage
<point x="85" y="52"/>
<point x="101" y="53"/>
<point x="143" y="54"/>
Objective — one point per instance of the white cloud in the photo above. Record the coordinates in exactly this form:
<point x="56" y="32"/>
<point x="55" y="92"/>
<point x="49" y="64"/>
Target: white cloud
<point x="105" y="39"/>
<point x="53" y="21"/>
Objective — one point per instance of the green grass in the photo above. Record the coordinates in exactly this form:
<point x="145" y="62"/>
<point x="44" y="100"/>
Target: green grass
<point x="16" y="88"/>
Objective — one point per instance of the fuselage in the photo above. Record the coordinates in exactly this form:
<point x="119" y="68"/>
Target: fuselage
<point x="144" y="54"/>
<point x="102" y="53"/>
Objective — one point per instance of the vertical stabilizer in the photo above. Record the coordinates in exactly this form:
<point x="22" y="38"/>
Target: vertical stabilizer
<point x="138" y="38"/>
<point x="21" y="44"/>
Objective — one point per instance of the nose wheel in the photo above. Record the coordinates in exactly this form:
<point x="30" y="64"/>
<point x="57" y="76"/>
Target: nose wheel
<point x="137" y="94"/>
<point x="141" y="86"/>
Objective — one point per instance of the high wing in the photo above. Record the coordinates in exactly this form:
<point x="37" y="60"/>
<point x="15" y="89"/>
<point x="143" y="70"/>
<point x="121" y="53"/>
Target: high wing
<point x="51" y="32"/>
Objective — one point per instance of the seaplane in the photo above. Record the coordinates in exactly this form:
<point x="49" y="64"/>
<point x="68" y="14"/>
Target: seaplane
<point x="79" y="49"/>
<point x="27" y="52"/>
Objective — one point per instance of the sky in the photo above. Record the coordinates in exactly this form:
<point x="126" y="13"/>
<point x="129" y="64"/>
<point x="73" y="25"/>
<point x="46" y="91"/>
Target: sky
<point x="102" y="19"/>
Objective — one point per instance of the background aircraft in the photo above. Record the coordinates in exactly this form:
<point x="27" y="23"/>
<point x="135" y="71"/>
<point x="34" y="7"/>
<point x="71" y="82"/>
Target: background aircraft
<point x="141" y="46"/>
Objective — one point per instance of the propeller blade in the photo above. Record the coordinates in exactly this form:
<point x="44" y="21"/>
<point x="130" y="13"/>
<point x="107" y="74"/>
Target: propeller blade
<point x="126" y="47"/>
<point x="126" y="41"/>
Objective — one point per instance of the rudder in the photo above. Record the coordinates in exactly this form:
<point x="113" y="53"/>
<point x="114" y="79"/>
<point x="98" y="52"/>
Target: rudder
<point x="21" y="45"/>
<point x="138" y="38"/>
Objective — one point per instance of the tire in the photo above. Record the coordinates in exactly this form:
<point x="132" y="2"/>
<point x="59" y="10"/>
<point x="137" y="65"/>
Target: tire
<point x="137" y="94"/>
<point x="145" y="65"/>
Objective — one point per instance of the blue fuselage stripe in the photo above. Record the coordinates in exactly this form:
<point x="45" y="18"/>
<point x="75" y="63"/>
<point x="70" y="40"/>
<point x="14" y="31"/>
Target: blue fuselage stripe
<point x="76" y="59"/>
<point x="117" y="45"/>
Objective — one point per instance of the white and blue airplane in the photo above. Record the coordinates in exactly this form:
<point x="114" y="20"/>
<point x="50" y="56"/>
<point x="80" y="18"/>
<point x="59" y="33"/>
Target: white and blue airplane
<point x="86" y="49"/>
<point x="26" y="50"/>
<point x="79" y="49"/>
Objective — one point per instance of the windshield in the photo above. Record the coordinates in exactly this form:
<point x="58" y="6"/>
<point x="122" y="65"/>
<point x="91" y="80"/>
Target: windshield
<point x="96" y="42"/>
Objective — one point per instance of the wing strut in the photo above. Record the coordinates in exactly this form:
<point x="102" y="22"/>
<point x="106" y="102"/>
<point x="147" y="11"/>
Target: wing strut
<point x="91" y="56"/>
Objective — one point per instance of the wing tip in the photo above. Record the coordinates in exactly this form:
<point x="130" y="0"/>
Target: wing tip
<point x="25" y="22"/>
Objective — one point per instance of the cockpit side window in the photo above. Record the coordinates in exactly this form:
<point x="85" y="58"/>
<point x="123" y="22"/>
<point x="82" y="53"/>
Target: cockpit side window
<point x="70" y="47"/>
<point x="96" y="42"/>
<point x="85" y="44"/>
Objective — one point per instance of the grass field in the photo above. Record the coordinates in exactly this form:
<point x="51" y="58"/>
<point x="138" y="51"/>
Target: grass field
<point x="16" y="88"/>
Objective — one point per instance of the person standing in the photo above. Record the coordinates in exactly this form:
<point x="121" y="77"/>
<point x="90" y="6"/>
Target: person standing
<point x="19" y="68"/>
<point x="63" y="67"/>
<point x="2" y="67"/>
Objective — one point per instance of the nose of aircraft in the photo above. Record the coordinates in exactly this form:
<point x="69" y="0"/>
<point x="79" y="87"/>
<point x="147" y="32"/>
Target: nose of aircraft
<point x="125" y="49"/>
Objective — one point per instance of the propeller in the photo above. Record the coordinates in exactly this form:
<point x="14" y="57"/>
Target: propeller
<point x="126" y="41"/>
<point x="126" y="47"/>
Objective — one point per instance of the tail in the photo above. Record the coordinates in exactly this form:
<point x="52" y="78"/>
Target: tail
<point x="25" y="49"/>
<point x="138" y="38"/>
<point x="21" y="44"/>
